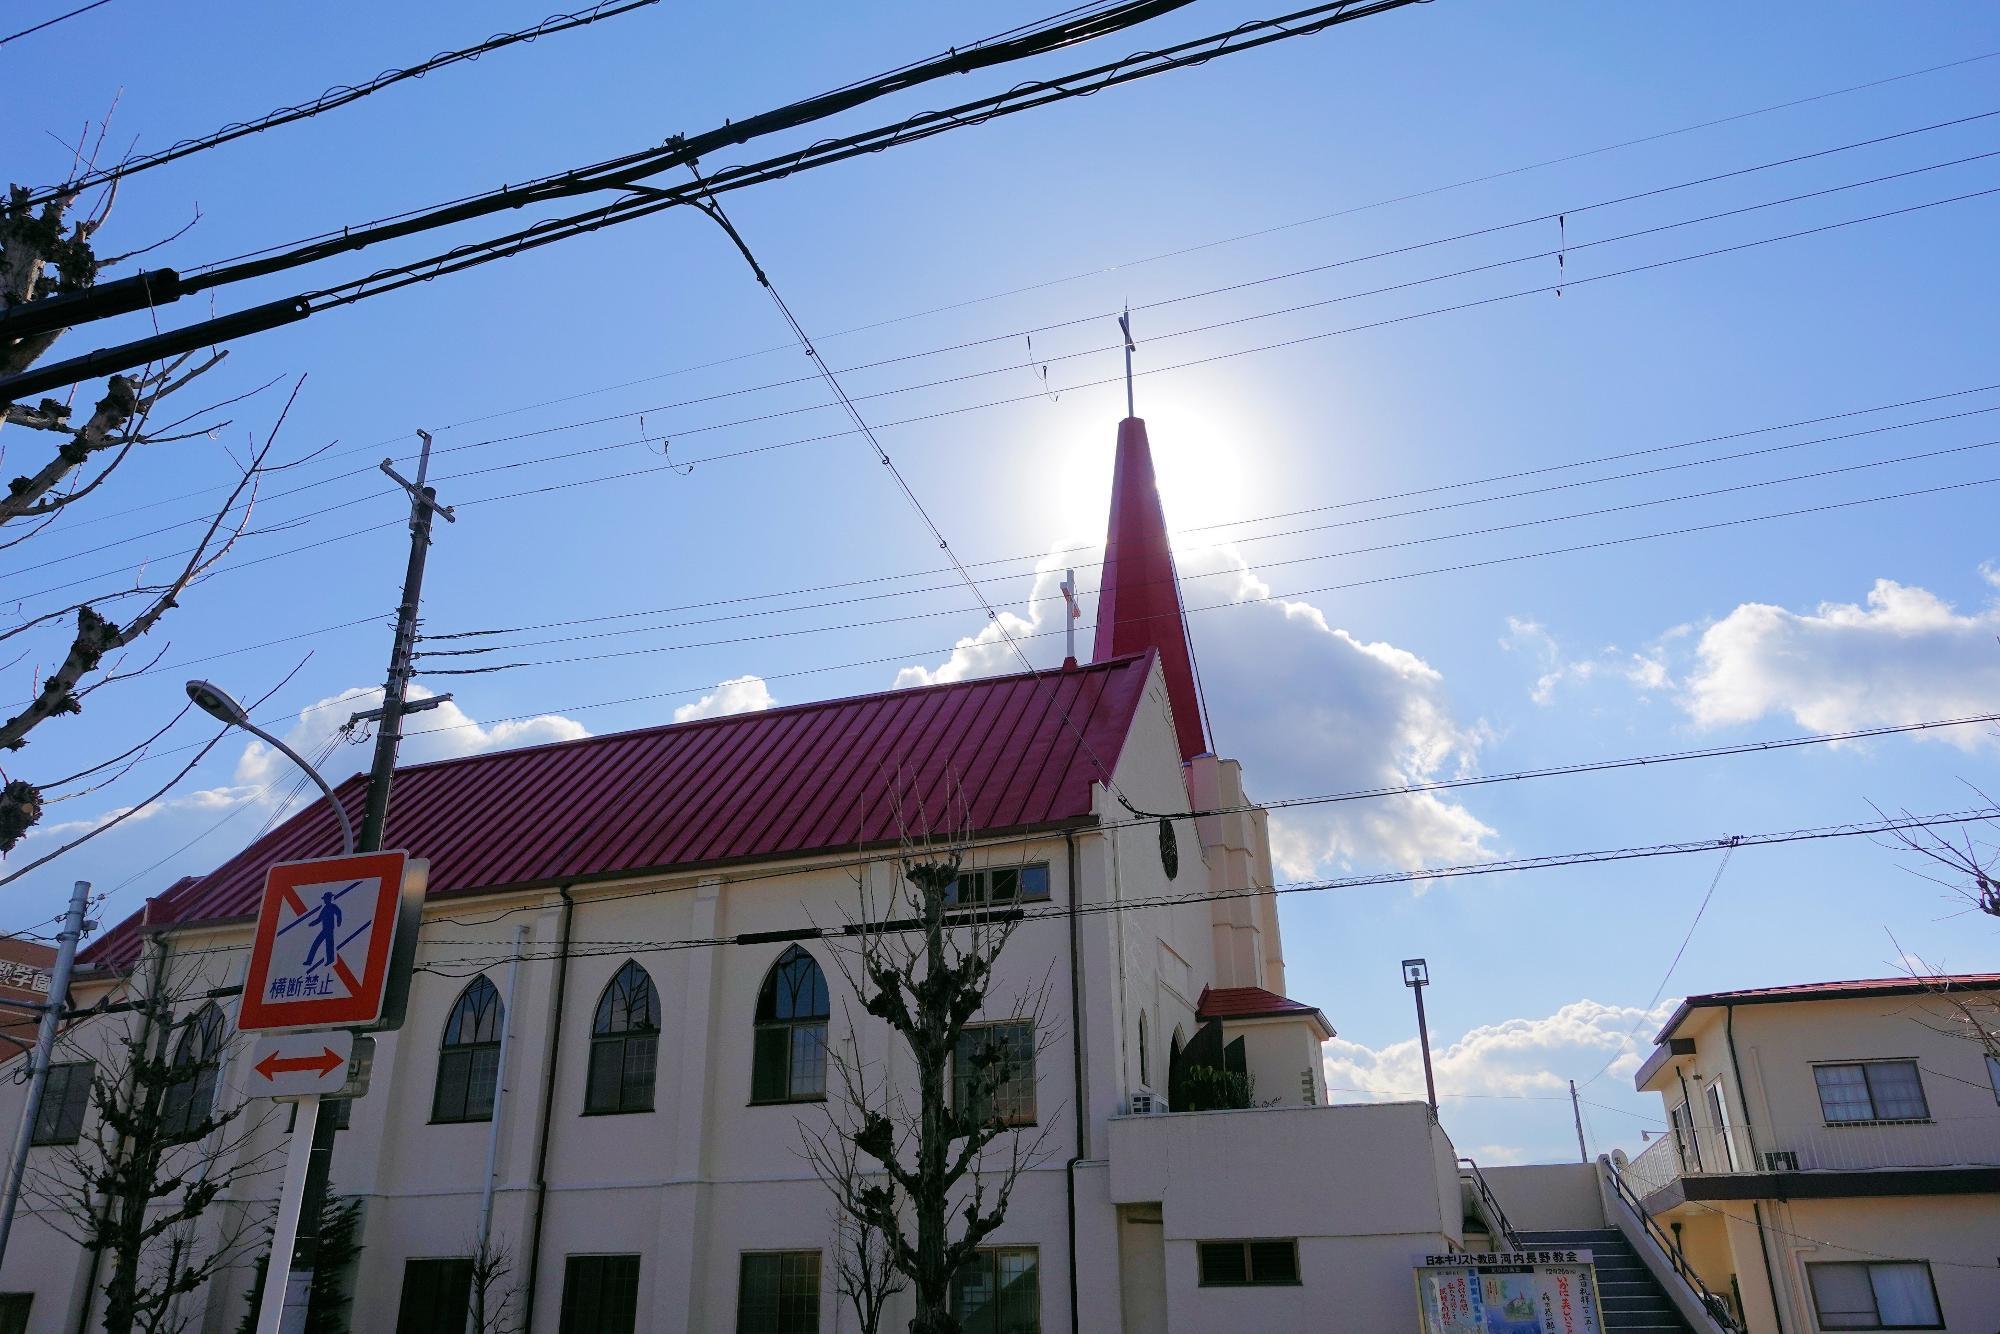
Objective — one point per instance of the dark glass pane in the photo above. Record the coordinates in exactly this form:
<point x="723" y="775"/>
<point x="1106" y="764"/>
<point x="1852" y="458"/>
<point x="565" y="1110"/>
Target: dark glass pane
<point x="770" y="1063"/>
<point x="1897" y="1092"/>
<point x="436" y="1296"/>
<point x="1003" y="886"/>
<point x="641" y="1056"/>
<point x="1843" y="1093"/>
<point x="808" y="1072"/>
<point x="14" y="1312"/>
<point x="481" y="1081"/>
<point x="1019" y="1310"/>
<point x="448" y="1104"/>
<point x="1222" y="1262"/>
<point x="1274" y="1262"/>
<point x="1034" y="882"/>
<point x="601" y="1087"/>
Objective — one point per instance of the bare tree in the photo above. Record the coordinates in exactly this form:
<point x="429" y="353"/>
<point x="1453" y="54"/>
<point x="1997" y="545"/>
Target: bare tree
<point x="493" y="1288"/>
<point x="923" y="1174"/>
<point x="48" y="253"/>
<point x="1955" y="858"/>
<point x="154" y="1155"/>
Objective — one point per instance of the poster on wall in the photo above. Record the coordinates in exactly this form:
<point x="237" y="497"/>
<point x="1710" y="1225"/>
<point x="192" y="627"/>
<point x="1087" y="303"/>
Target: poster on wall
<point x="1508" y="1292"/>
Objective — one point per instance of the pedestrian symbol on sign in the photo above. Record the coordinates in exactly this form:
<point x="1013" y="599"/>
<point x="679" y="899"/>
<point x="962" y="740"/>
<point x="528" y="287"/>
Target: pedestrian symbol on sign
<point x="323" y="942"/>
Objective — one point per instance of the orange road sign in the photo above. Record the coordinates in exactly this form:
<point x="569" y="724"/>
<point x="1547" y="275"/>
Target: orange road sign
<point x="326" y="933"/>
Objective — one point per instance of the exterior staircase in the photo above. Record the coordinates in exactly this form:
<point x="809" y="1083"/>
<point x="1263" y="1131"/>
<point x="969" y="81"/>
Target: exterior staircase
<point x="1632" y="1297"/>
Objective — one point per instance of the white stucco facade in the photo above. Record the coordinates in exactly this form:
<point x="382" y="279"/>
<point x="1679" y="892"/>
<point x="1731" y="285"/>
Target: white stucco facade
<point x="707" y="1175"/>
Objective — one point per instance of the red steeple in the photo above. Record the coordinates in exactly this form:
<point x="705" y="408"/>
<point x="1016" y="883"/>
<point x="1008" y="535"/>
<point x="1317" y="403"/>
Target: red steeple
<point x="1139" y="600"/>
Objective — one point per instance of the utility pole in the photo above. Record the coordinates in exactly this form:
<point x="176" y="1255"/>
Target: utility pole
<point x="45" y="1048"/>
<point x="1576" y="1111"/>
<point x="395" y="704"/>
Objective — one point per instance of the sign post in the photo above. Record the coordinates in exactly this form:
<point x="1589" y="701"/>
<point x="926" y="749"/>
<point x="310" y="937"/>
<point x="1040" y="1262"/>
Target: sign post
<point x="323" y="962"/>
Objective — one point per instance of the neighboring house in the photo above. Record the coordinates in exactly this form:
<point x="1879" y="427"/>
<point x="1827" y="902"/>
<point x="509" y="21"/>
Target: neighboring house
<point x="24" y="979"/>
<point x="1834" y="1152"/>
<point x="645" y="917"/>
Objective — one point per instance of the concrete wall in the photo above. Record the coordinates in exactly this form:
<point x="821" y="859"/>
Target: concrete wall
<point x="1547" y="1196"/>
<point x="1363" y="1188"/>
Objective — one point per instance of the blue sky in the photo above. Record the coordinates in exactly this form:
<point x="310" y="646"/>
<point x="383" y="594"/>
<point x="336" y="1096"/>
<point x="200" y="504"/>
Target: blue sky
<point x="1765" y="629"/>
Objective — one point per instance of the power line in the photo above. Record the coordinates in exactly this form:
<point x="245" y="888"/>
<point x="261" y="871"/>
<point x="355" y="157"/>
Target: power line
<point x="1545" y="216"/>
<point x="50" y="23"/>
<point x="680" y="152"/>
<point x="332" y="98"/>
<point x="669" y="465"/>
<point x="1261" y="566"/>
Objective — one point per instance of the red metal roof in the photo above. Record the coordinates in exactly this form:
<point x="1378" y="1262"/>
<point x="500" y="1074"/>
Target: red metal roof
<point x="1139" y="597"/>
<point x="808" y="778"/>
<point x="1251" y="1003"/>
<point x="1849" y="990"/>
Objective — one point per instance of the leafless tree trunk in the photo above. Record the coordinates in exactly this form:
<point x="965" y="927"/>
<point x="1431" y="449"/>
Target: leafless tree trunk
<point x="152" y="1158"/>
<point x="493" y="1290"/>
<point x="923" y="1175"/>
<point x="49" y="252"/>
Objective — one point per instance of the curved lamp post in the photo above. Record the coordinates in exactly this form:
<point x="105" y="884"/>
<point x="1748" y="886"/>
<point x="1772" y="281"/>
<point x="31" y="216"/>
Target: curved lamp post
<point x="218" y="704"/>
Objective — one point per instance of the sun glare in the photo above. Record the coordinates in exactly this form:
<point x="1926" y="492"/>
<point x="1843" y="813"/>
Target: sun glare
<point x="1205" y="461"/>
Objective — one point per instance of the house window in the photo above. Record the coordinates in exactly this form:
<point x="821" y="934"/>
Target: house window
<point x="1238" y="1264"/>
<point x="998" y="886"/>
<point x="1893" y="1295"/>
<point x="999" y="1292"/>
<point x="600" y="1294"/>
<point x="436" y="1296"/>
<point x="1718" y="1112"/>
<point x="778" y="1293"/>
<point x="190" y="1099"/>
<point x="1871" y="1091"/>
<point x="469" y="1057"/>
<point x="993" y="1074"/>
<point x="788" y="1063"/>
<point x="65" y="1098"/>
<point x="624" y="1044"/>
<point x="14" y="1311"/>
<point x="1682" y="1118"/>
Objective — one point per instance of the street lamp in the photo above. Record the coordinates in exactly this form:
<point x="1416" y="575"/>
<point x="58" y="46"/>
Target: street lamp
<point x="218" y="704"/>
<point x="1417" y="976"/>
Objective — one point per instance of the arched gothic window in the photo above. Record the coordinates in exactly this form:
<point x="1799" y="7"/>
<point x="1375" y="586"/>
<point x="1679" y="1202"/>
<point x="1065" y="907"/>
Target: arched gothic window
<point x="469" y="1057"/>
<point x="190" y="1099"/>
<point x="624" y="1044"/>
<point x="790" y="1057"/>
<point x="1145" y="1065"/>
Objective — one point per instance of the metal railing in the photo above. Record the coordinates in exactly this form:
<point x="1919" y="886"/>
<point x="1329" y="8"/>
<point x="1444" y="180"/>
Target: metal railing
<point x="1469" y="1172"/>
<point x="1710" y="1302"/>
<point x="1862" y="1146"/>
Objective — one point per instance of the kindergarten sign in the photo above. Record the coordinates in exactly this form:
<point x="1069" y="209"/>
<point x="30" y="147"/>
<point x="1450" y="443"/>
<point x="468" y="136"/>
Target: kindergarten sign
<point x="1509" y="1292"/>
<point x="324" y="937"/>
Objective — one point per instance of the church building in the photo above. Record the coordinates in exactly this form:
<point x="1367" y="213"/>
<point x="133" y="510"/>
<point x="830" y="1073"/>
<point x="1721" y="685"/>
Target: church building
<point x="628" y="1004"/>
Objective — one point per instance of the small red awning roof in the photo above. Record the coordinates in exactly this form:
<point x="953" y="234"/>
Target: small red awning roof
<point x="1252" y="1003"/>
<point x="1009" y="752"/>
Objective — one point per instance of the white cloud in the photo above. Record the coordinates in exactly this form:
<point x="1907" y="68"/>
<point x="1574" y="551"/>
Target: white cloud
<point x="739" y="694"/>
<point x="441" y="733"/>
<point x="1647" y="670"/>
<point x="1902" y="656"/>
<point x="988" y="652"/>
<point x="1529" y="1057"/>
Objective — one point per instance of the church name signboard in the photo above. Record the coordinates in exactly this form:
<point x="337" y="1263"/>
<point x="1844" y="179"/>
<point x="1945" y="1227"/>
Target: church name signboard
<point x="1552" y="1291"/>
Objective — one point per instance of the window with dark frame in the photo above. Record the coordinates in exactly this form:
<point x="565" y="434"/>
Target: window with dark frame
<point x="190" y="1098"/>
<point x="1896" y="1294"/>
<point x="624" y="1045"/>
<point x="1270" y="1262"/>
<point x="998" y="886"/>
<point x="1145" y="1067"/>
<point x="999" y="1292"/>
<point x="788" y="1058"/>
<point x="1993" y="1075"/>
<point x="777" y="1292"/>
<point x="600" y="1295"/>
<point x="469" y="1056"/>
<point x="65" y="1099"/>
<point x="14" y="1311"/>
<point x="993" y="1073"/>
<point x="436" y="1295"/>
<point x="1863" y="1091"/>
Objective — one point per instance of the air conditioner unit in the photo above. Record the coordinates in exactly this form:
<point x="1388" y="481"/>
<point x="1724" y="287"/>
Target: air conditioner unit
<point x="1781" y="1160"/>
<point x="1148" y="1104"/>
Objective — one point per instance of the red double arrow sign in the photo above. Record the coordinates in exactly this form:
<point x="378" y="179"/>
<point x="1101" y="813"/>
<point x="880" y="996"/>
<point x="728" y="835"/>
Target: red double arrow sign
<point x="274" y="1065"/>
